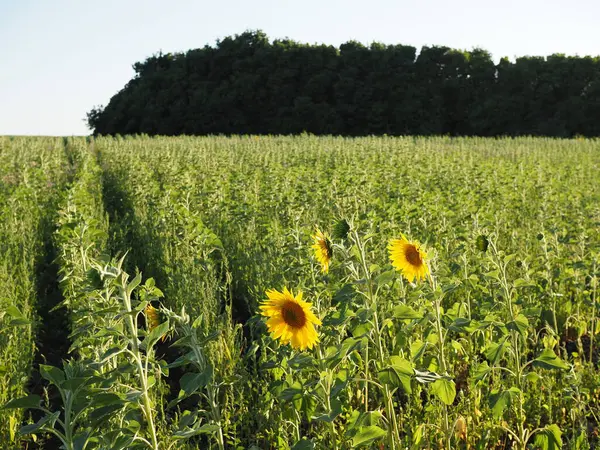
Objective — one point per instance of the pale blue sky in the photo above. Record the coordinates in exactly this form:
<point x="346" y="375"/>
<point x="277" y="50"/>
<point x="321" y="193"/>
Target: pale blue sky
<point x="59" y="58"/>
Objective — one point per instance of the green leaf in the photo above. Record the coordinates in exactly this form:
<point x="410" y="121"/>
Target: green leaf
<point x="482" y="243"/>
<point x="108" y="354"/>
<point x="53" y="374"/>
<point x="500" y="400"/>
<point x="30" y="401"/>
<point x="133" y="284"/>
<point x="72" y="384"/>
<point x="549" y="360"/>
<point x="481" y="371"/>
<point x="520" y="324"/>
<point x="301" y="361"/>
<point x="303" y="444"/>
<point x="549" y="438"/>
<point x="345" y="295"/>
<point x="386" y="277"/>
<point x="366" y="435"/>
<point x="460" y="324"/>
<point x="207" y="428"/>
<point x="445" y="390"/>
<point x="294" y="392"/>
<point x="106" y="398"/>
<point x="417" y="349"/>
<point x="404" y="312"/>
<point x="155" y="335"/>
<point x="40" y="424"/>
<point x="494" y="351"/>
<point x="192" y="382"/>
<point x="398" y="373"/>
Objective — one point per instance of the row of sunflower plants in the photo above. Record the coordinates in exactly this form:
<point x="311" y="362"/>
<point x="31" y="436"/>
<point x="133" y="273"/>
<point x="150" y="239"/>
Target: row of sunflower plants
<point x="31" y="173"/>
<point x="109" y="389"/>
<point x="167" y="236"/>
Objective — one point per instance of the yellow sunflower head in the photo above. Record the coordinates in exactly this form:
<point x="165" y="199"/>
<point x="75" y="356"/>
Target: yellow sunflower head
<point x="152" y="318"/>
<point x="408" y="258"/>
<point x="323" y="249"/>
<point x="290" y="319"/>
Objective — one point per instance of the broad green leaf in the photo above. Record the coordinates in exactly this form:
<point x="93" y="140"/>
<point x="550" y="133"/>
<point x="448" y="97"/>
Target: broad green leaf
<point x="53" y="374"/>
<point x="500" y="400"/>
<point x="111" y="352"/>
<point x="445" y="390"/>
<point x="460" y="324"/>
<point x="520" y="324"/>
<point x="549" y="438"/>
<point x="303" y="444"/>
<point x="549" y="360"/>
<point x="386" y="277"/>
<point x="398" y="373"/>
<point x="102" y="413"/>
<point x="73" y="384"/>
<point x="403" y="312"/>
<point x="417" y="349"/>
<point x="481" y="371"/>
<point x="294" y="392"/>
<point x="155" y="335"/>
<point x="301" y="361"/>
<point x="30" y="401"/>
<point x="367" y="435"/>
<point x="345" y="295"/>
<point x="192" y="382"/>
<point x="49" y="420"/>
<point x="494" y="351"/>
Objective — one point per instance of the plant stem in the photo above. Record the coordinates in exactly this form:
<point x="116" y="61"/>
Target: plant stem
<point x="143" y="375"/>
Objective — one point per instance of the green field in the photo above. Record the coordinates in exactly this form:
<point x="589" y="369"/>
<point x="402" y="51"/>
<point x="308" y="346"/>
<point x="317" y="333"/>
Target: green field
<point x="132" y="271"/>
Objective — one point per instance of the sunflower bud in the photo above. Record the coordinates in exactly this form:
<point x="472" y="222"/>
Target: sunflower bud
<point x="340" y="230"/>
<point x="482" y="243"/>
<point x="152" y="318"/>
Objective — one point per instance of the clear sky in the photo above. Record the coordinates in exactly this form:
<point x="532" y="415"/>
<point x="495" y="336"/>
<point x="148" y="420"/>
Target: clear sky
<point x="59" y="58"/>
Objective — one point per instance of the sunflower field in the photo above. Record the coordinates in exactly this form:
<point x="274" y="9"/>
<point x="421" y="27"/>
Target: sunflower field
<point x="304" y="292"/>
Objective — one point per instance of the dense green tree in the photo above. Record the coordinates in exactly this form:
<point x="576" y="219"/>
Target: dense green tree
<point x="248" y="84"/>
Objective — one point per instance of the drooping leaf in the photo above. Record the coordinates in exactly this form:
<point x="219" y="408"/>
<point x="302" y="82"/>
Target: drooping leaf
<point x="549" y="438"/>
<point x="499" y="400"/>
<point x="549" y="360"/>
<point x="495" y="350"/>
<point x="398" y="373"/>
<point x="30" y="401"/>
<point x="445" y="390"/>
<point x="403" y="312"/>
<point x="367" y="435"/>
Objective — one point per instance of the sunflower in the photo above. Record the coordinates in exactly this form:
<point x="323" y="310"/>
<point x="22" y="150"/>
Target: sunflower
<point x="152" y="318"/>
<point x="290" y="319"/>
<point x="408" y="258"/>
<point x="323" y="249"/>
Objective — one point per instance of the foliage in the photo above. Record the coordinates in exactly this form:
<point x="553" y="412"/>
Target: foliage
<point x="495" y="347"/>
<point x="247" y="84"/>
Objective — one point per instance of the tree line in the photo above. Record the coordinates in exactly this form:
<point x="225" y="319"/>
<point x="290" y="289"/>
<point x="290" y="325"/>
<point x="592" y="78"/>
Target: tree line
<point x="247" y="84"/>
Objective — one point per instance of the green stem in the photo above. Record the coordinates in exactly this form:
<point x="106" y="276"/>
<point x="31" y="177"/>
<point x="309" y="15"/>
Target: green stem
<point x="143" y="375"/>
<point x="394" y="436"/>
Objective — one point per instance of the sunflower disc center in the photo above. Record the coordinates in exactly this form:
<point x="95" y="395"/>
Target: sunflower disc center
<point x="413" y="256"/>
<point x="293" y="315"/>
